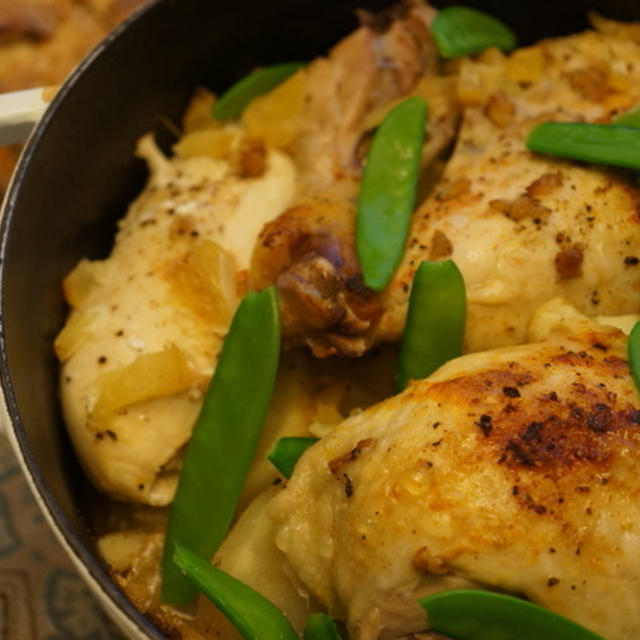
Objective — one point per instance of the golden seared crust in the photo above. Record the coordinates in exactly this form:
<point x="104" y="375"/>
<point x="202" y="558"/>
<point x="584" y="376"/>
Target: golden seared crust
<point x="524" y="228"/>
<point x="514" y="470"/>
<point x="576" y="428"/>
<point x="309" y="253"/>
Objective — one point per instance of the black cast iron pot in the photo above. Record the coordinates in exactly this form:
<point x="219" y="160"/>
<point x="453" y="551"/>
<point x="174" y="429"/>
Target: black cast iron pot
<point x="78" y="173"/>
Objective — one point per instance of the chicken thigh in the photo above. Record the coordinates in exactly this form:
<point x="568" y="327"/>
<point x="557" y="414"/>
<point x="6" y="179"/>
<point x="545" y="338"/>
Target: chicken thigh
<point x="513" y="470"/>
<point x="522" y="227"/>
<point x="308" y="252"/>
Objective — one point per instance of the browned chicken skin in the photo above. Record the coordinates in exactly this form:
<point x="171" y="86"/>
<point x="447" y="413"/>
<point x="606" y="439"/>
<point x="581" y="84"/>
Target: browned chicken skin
<point x="309" y="252"/>
<point x="322" y="297"/>
<point x="514" y="470"/>
<point x="522" y="228"/>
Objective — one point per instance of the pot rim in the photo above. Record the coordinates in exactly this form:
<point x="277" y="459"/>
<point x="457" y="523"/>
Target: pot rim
<point x="111" y="598"/>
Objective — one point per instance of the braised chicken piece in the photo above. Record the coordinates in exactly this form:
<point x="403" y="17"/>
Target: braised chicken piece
<point x="322" y="297"/>
<point x="513" y="470"/>
<point x="347" y="94"/>
<point x="391" y="56"/>
<point x="148" y="322"/>
<point x="521" y="227"/>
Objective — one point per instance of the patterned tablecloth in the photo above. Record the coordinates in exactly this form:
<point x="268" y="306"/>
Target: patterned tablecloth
<point x="41" y="595"/>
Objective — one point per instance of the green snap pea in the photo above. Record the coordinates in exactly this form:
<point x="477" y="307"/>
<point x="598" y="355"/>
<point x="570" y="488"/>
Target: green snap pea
<point x="388" y="191"/>
<point x="483" y="615"/>
<point x="224" y="438"/>
<point x="628" y="119"/>
<point x="232" y="103"/>
<point x="321" y="627"/>
<point x="255" y="617"/>
<point x="286" y="452"/>
<point x="434" y="329"/>
<point x="611" y="144"/>
<point x="462" y="31"/>
<point x="633" y="351"/>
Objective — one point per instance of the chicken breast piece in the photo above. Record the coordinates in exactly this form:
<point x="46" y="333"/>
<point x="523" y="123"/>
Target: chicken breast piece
<point x="522" y="227"/>
<point x="148" y="322"/>
<point x="513" y="470"/>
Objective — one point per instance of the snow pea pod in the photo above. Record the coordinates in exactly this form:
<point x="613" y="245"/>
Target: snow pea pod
<point x="462" y="31"/>
<point x="628" y="119"/>
<point x="321" y="627"/>
<point x="483" y="615"/>
<point x="434" y="330"/>
<point x="224" y="438"/>
<point x="388" y="191"/>
<point x="633" y="351"/>
<point x="286" y="452"/>
<point x="232" y="103"/>
<point x="255" y="617"/>
<point x="611" y="144"/>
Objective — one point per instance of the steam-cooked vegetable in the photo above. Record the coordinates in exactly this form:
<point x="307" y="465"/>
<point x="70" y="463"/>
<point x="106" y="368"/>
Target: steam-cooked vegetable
<point x="467" y="614"/>
<point x="629" y="118"/>
<point x="388" y="191"/>
<point x="321" y="627"/>
<point x="235" y="99"/>
<point x="616" y="145"/>
<point x="286" y="453"/>
<point x="434" y="330"/>
<point x="633" y="350"/>
<point x="253" y="615"/>
<point x="224" y="438"/>
<point x="463" y="31"/>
